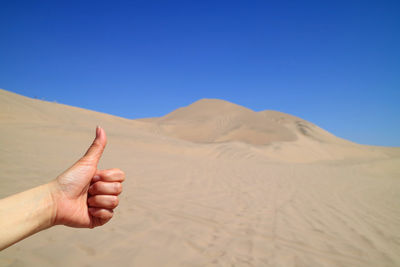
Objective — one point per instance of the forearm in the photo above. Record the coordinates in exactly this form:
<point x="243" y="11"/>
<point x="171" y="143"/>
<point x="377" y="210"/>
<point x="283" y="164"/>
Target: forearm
<point x="25" y="214"/>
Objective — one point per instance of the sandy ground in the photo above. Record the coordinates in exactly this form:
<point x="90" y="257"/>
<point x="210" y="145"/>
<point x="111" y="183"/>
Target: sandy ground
<point x="211" y="184"/>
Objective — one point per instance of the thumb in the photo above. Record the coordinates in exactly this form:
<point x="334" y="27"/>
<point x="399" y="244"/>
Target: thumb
<point x="93" y="154"/>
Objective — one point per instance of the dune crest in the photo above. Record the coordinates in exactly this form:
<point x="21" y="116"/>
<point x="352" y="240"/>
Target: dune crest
<point x="217" y="121"/>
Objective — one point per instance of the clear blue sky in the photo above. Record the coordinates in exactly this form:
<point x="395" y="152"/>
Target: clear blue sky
<point x="334" y="63"/>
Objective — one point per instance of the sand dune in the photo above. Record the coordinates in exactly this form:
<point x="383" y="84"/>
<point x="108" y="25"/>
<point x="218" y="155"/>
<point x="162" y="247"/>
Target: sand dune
<point x="211" y="184"/>
<point x="213" y="121"/>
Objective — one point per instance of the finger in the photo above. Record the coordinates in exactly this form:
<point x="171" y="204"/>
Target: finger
<point x="95" y="151"/>
<point x="110" y="175"/>
<point x="105" y="188"/>
<point x="103" y="201"/>
<point x="104" y="214"/>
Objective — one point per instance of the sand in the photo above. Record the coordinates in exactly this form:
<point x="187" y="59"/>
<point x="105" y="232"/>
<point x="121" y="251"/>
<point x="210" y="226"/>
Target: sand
<point x="211" y="184"/>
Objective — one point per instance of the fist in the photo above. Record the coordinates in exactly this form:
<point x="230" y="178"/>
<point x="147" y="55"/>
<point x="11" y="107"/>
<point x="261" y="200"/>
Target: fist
<point x="85" y="196"/>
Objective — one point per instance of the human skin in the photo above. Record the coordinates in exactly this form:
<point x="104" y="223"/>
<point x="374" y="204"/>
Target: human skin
<point x="82" y="196"/>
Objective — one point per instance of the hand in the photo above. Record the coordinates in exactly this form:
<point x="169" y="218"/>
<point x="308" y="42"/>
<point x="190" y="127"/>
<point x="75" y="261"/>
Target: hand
<point x="83" y="195"/>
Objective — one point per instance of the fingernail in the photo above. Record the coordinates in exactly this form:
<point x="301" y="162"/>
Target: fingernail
<point x="98" y="130"/>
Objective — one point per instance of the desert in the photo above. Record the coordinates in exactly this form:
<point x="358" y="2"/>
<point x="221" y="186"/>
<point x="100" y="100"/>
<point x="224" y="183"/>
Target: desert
<point x="209" y="184"/>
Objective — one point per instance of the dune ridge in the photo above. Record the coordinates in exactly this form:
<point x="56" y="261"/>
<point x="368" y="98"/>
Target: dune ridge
<point x="210" y="184"/>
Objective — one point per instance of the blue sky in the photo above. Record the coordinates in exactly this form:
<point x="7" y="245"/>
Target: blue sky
<point x="334" y="63"/>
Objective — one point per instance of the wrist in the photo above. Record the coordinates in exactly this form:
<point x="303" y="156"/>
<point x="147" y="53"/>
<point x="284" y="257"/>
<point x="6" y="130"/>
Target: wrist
<point x="52" y="189"/>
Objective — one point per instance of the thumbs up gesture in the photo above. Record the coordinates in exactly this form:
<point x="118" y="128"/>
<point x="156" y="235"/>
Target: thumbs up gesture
<point x="83" y="195"/>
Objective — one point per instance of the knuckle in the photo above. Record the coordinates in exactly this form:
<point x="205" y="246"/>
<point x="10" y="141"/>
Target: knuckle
<point x="96" y="144"/>
<point x="91" y="190"/>
<point x="96" y="200"/>
<point x="95" y="187"/>
<point x="90" y="201"/>
<point x="87" y="162"/>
